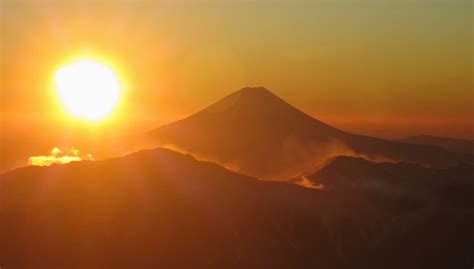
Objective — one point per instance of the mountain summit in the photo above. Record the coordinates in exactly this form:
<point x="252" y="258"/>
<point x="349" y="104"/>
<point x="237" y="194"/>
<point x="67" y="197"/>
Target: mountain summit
<point x="257" y="133"/>
<point x="254" y="103"/>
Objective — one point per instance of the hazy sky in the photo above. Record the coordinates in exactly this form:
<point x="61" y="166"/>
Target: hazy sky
<point x="387" y="68"/>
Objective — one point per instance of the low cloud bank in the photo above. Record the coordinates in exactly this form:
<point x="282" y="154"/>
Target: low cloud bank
<point x="59" y="156"/>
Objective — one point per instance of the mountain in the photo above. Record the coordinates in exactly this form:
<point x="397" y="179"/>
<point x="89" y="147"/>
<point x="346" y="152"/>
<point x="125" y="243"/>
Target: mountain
<point x="432" y="210"/>
<point x="452" y="144"/>
<point x="452" y="186"/>
<point x="257" y="133"/>
<point x="162" y="209"/>
<point x="159" y="208"/>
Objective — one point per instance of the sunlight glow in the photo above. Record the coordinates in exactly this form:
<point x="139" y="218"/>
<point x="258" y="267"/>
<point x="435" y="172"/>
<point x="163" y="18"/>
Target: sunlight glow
<point x="88" y="89"/>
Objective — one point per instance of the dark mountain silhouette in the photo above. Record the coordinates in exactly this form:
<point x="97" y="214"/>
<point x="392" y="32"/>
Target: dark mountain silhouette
<point x="452" y="186"/>
<point x="442" y="223"/>
<point x="451" y="144"/>
<point x="162" y="209"/>
<point x="257" y="133"/>
<point x="165" y="209"/>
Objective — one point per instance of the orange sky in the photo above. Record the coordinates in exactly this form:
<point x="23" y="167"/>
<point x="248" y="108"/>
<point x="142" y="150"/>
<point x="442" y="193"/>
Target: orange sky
<point x="386" y="68"/>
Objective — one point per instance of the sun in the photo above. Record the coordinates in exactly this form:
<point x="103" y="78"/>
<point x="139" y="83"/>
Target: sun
<point x="88" y="89"/>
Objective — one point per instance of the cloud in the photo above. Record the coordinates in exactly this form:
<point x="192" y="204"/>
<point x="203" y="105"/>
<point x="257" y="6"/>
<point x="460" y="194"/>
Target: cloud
<point x="58" y="156"/>
<point x="307" y="183"/>
<point x="232" y="166"/>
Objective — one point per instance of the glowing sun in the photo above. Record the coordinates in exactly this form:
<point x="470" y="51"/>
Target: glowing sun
<point x="87" y="89"/>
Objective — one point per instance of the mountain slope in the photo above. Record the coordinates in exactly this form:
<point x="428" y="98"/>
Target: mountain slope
<point x="452" y="144"/>
<point x="162" y="209"/>
<point x="257" y="133"/>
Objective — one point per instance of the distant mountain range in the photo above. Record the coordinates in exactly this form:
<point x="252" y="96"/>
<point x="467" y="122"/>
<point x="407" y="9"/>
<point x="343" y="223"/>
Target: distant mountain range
<point x="254" y="132"/>
<point x="452" y="144"/>
<point x="163" y="209"/>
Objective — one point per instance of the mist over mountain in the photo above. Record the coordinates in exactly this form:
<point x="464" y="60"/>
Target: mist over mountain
<point x="257" y="133"/>
<point x="452" y="144"/>
<point x="159" y="208"/>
